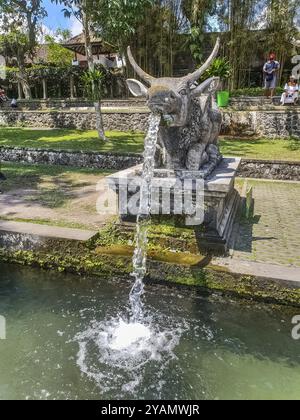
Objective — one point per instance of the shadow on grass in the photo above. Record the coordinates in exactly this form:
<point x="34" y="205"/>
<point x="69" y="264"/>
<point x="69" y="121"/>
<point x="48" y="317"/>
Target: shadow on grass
<point x="245" y="147"/>
<point x="45" y="185"/>
<point x="294" y="144"/>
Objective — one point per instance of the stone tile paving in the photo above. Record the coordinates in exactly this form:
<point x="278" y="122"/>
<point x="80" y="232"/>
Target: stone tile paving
<point x="272" y="235"/>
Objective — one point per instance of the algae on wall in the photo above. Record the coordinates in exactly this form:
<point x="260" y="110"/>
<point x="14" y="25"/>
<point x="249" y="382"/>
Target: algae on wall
<point x="109" y="255"/>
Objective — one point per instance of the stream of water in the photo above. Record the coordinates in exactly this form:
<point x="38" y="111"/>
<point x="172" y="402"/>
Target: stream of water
<point x="143" y="219"/>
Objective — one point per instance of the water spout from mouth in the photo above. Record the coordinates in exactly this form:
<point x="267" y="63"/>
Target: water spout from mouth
<point x="143" y="219"/>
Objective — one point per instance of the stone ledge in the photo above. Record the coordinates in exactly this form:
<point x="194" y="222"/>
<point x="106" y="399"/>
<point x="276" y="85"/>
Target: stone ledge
<point x="105" y="161"/>
<point x="212" y="277"/>
<point x="249" y="168"/>
<point x="46" y="231"/>
<point x="276" y="170"/>
<point x="278" y="122"/>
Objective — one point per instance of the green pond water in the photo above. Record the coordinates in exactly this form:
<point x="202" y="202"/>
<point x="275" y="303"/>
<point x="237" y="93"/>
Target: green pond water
<point x="60" y="342"/>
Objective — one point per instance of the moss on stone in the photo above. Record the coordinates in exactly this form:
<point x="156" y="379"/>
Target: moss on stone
<point x="110" y="255"/>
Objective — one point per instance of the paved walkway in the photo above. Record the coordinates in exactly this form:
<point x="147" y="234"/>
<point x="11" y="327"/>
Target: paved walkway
<point x="273" y="234"/>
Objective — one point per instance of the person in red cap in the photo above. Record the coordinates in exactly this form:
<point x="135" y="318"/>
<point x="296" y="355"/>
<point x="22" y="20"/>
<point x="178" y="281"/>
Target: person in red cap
<point x="271" y="69"/>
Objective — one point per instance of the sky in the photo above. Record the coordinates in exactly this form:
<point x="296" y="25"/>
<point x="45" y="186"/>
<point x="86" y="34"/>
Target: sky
<point x="56" y="19"/>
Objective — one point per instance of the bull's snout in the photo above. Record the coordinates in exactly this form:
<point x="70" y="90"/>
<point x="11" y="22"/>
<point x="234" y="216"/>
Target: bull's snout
<point x="163" y="102"/>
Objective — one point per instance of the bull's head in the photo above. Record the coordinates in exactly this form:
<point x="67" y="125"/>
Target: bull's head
<point x="171" y="97"/>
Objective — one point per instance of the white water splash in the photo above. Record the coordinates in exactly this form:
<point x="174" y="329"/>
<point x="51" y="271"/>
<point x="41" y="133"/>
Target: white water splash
<point x="118" y="355"/>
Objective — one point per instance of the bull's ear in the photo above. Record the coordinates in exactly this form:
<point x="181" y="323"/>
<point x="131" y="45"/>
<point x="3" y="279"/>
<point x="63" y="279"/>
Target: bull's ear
<point x="137" y="88"/>
<point x="210" y="86"/>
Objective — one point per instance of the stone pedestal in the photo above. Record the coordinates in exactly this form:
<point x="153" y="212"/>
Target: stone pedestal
<point x="215" y="200"/>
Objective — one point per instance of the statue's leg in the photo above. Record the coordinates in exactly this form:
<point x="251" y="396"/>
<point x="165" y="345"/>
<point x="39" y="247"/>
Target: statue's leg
<point x="196" y="156"/>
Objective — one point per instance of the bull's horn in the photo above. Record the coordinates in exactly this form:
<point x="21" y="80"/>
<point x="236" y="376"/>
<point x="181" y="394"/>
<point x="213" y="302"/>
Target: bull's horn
<point x="143" y="75"/>
<point x="195" y="76"/>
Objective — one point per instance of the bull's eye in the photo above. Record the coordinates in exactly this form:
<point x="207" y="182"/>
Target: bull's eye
<point x="183" y="92"/>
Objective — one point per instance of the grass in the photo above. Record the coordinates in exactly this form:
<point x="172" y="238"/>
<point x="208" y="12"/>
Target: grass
<point x="51" y="195"/>
<point x="56" y="180"/>
<point x="87" y="141"/>
<point x="265" y="149"/>
<point x="132" y="142"/>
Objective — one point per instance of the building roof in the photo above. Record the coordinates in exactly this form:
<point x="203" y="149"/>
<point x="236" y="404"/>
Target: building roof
<point x="99" y="46"/>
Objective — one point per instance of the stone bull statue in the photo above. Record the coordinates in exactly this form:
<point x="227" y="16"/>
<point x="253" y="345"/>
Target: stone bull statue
<point x="191" y="120"/>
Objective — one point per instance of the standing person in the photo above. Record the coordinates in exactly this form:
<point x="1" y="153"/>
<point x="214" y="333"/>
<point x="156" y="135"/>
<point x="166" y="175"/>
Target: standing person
<point x="291" y="90"/>
<point x="271" y="69"/>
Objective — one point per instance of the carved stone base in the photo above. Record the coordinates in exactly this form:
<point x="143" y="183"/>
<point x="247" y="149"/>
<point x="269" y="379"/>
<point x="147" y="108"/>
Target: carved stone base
<point x="217" y="198"/>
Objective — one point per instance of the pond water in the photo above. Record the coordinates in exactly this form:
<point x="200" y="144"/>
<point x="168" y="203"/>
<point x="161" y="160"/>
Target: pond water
<point x="60" y="342"/>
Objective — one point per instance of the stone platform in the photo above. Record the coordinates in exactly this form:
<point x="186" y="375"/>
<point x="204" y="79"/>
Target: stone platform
<point x="29" y="236"/>
<point x="215" y="204"/>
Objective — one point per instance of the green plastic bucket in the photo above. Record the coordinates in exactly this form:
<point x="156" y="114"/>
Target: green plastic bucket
<point x="223" y="98"/>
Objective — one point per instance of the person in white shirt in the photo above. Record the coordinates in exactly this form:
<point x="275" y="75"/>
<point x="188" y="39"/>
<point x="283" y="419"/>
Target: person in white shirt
<point x="291" y="92"/>
<point x="271" y="70"/>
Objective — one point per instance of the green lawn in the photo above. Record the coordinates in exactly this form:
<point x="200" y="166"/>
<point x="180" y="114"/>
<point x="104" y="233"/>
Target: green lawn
<point x="279" y="149"/>
<point x="20" y="175"/>
<point x="131" y="142"/>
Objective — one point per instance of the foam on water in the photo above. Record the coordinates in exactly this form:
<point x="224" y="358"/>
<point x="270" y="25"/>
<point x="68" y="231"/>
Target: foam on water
<point x="129" y="334"/>
<point x="130" y="350"/>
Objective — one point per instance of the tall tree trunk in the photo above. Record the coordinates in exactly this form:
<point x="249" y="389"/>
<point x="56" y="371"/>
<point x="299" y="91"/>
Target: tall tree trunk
<point x="44" y="83"/>
<point x="99" y="120"/>
<point x="72" y="85"/>
<point x="22" y="76"/>
<point x="25" y="85"/>
<point x="91" y="65"/>
<point x="20" y="91"/>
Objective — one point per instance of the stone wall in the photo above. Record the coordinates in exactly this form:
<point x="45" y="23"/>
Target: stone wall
<point x="283" y="122"/>
<point x="121" y="120"/>
<point x="52" y="104"/>
<point x="278" y="170"/>
<point x="104" y="161"/>
<point x="250" y="168"/>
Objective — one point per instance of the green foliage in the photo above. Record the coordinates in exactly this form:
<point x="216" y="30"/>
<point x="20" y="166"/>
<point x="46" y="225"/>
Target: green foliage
<point x="93" y="84"/>
<point x="118" y="20"/>
<point x="219" y="68"/>
<point x="39" y="71"/>
<point x="198" y="12"/>
<point x="57" y="54"/>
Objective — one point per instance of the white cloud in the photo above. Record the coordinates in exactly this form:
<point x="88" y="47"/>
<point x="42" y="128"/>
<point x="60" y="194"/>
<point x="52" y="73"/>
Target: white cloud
<point x="76" y="26"/>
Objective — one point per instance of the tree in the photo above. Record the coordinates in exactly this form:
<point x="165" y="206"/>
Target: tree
<point x="57" y="54"/>
<point x="83" y="11"/>
<point x="118" y="20"/>
<point x="198" y="12"/>
<point x="18" y="37"/>
<point x="281" y="28"/>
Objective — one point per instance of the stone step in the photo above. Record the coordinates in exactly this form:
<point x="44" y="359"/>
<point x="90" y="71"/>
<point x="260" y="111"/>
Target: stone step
<point x="45" y="231"/>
